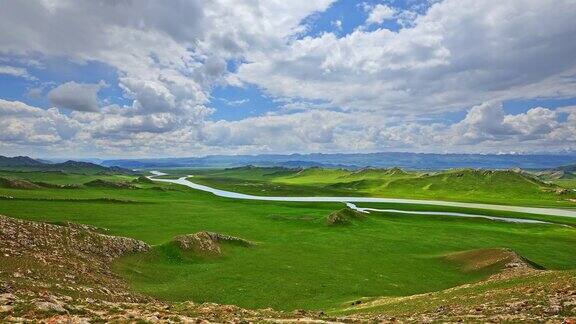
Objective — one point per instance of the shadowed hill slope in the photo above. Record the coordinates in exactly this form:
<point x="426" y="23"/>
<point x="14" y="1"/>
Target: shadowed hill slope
<point x="24" y="163"/>
<point x="18" y="161"/>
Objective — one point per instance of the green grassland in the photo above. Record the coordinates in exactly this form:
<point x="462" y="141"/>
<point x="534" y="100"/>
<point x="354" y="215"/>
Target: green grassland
<point x="299" y="260"/>
<point x="566" y="183"/>
<point x="485" y="186"/>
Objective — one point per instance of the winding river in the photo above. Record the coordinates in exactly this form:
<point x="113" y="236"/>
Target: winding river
<point x="349" y="201"/>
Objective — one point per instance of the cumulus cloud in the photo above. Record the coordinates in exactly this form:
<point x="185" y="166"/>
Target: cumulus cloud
<point x="485" y="128"/>
<point x="483" y="122"/>
<point x="337" y="24"/>
<point x="380" y="13"/>
<point x="457" y="54"/>
<point x="76" y="96"/>
<point x="488" y="122"/>
<point x="167" y="57"/>
<point x="22" y="124"/>
<point x="116" y="131"/>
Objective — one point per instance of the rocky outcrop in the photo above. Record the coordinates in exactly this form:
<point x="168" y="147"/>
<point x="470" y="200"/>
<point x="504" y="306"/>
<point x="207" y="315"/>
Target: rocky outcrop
<point x="41" y="256"/>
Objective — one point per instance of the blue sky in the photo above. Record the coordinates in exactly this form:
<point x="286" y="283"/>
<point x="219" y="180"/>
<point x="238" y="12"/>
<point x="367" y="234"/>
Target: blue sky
<point x="203" y="78"/>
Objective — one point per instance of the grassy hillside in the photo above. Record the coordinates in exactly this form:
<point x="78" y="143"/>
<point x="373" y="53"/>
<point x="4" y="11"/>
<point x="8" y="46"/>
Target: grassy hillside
<point x="470" y="184"/>
<point x="534" y="296"/>
<point x="500" y="187"/>
<point x="298" y="260"/>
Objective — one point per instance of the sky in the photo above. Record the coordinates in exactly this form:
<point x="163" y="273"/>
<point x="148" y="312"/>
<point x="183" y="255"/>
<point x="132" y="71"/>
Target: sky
<point x="150" y="78"/>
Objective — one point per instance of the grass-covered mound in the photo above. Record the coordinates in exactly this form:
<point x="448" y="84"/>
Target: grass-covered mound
<point x="59" y="179"/>
<point x="56" y="185"/>
<point x="344" y="216"/>
<point x="143" y="180"/>
<point x="376" y="173"/>
<point x="207" y="243"/>
<point x="489" y="260"/>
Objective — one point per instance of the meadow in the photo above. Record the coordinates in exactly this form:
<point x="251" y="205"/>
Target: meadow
<point x="298" y="260"/>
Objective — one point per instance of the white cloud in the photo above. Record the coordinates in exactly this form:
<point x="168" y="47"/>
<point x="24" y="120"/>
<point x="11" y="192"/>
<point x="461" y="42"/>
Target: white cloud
<point x="117" y="131"/>
<point x="337" y="24"/>
<point x="380" y="13"/>
<point x="373" y="89"/>
<point x="167" y="56"/>
<point x="456" y="55"/>
<point x="16" y="71"/>
<point x="535" y="122"/>
<point x="35" y="93"/>
<point x="483" y="122"/>
<point x="486" y="128"/>
<point x="22" y="124"/>
<point x="76" y="96"/>
<point x="234" y="102"/>
<point x="16" y="108"/>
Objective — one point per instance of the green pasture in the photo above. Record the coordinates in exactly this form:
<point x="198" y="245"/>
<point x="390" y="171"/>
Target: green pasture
<point x="299" y="261"/>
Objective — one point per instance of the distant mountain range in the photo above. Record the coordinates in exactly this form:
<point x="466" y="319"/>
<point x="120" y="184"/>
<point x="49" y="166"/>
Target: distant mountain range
<point x="415" y="161"/>
<point x="25" y="163"/>
<point x="419" y="161"/>
<point x="567" y="168"/>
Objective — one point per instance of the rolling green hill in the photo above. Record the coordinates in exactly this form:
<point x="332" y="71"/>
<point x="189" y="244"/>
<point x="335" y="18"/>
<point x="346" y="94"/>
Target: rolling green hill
<point x="499" y="185"/>
<point x="488" y="186"/>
